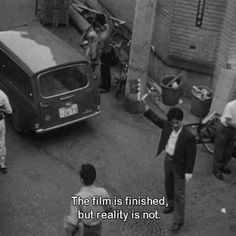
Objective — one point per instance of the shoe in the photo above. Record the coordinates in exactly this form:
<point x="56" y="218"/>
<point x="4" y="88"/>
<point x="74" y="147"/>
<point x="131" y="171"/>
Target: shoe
<point x="226" y="170"/>
<point x="176" y="227"/>
<point x="4" y="170"/>
<point x="168" y="210"/>
<point x="218" y="175"/>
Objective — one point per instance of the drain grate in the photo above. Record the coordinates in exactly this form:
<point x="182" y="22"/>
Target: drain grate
<point x="143" y="227"/>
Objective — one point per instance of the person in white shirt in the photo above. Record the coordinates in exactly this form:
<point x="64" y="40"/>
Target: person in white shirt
<point x="91" y="224"/>
<point x="5" y="107"/>
<point x="224" y="141"/>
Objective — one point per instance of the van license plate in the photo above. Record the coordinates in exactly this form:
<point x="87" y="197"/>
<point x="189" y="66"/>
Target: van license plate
<point x="68" y="111"/>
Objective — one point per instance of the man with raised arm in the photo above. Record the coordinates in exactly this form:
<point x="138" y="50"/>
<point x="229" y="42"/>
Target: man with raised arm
<point x="179" y="146"/>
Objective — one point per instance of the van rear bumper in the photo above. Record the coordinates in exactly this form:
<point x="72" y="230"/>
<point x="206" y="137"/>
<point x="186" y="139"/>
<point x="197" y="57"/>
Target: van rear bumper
<point x="39" y="131"/>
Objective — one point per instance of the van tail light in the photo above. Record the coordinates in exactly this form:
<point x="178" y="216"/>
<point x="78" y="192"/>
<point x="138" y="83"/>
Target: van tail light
<point x="98" y="107"/>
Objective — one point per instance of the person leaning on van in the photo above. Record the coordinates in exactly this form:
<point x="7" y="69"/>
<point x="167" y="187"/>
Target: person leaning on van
<point x="5" y="107"/>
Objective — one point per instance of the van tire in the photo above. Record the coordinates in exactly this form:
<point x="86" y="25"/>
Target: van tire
<point x="17" y="123"/>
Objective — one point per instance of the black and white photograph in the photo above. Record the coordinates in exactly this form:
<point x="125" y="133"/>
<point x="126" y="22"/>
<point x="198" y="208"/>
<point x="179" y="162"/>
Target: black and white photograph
<point x="117" y="117"/>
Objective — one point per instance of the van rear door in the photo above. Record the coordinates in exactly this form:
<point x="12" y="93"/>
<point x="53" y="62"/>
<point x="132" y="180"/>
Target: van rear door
<point x="67" y="94"/>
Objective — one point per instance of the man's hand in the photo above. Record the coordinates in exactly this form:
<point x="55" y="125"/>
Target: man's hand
<point x="188" y="177"/>
<point x="146" y="107"/>
<point x="143" y="99"/>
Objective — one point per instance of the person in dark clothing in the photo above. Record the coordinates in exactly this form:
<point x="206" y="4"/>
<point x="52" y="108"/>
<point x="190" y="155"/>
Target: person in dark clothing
<point x="179" y="146"/>
<point x="106" y="71"/>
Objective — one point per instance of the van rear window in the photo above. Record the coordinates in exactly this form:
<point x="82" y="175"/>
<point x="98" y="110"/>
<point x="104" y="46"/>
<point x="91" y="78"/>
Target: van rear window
<point x="63" y="80"/>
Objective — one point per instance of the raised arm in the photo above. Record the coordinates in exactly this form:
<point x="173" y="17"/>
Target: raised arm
<point x="153" y="117"/>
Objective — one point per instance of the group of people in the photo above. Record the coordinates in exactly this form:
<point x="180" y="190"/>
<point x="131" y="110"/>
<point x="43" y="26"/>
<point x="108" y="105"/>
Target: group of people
<point x="179" y="147"/>
<point x="177" y="142"/>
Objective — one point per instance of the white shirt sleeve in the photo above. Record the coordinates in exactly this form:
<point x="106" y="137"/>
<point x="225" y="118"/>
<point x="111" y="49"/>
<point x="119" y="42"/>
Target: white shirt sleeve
<point x="7" y="105"/>
<point x="227" y="113"/>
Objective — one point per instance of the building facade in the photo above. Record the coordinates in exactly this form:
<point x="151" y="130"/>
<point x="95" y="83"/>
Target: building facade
<point x="197" y="36"/>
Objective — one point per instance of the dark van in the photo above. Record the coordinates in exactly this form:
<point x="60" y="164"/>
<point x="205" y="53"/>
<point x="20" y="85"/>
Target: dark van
<point x="49" y="84"/>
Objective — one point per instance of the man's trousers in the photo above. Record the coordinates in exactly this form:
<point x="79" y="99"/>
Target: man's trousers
<point x="175" y="190"/>
<point x="224" y="146"/>
<point x="106" y="71"/>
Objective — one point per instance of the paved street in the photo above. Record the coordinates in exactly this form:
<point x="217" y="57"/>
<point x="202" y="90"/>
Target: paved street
<point x="43" y="170"/>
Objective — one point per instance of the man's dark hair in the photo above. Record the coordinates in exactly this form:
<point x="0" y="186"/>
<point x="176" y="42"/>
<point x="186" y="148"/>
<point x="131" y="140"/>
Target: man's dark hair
<point x="175" y="113"/>
<point x="88" y="174"/>
<point x="100" y="18"/>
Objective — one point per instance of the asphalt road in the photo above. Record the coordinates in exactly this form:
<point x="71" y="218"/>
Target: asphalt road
<point x="43" y="170"/>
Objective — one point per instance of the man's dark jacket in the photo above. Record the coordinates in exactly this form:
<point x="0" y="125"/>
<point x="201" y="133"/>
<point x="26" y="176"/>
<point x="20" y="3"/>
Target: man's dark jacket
<point x="185" y="149"/>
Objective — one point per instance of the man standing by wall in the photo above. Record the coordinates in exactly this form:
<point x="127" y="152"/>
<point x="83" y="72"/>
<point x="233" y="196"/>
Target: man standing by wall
<point x="224" y="142"/>
<point x="5" y="107"/>
<point x="180" y="148"/>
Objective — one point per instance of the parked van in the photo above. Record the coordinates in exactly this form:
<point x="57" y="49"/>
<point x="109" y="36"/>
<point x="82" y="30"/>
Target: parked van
<point x="49" y="84"/>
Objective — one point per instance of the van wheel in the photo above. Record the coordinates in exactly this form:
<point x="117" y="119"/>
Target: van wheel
<point x="17" y="122"/>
